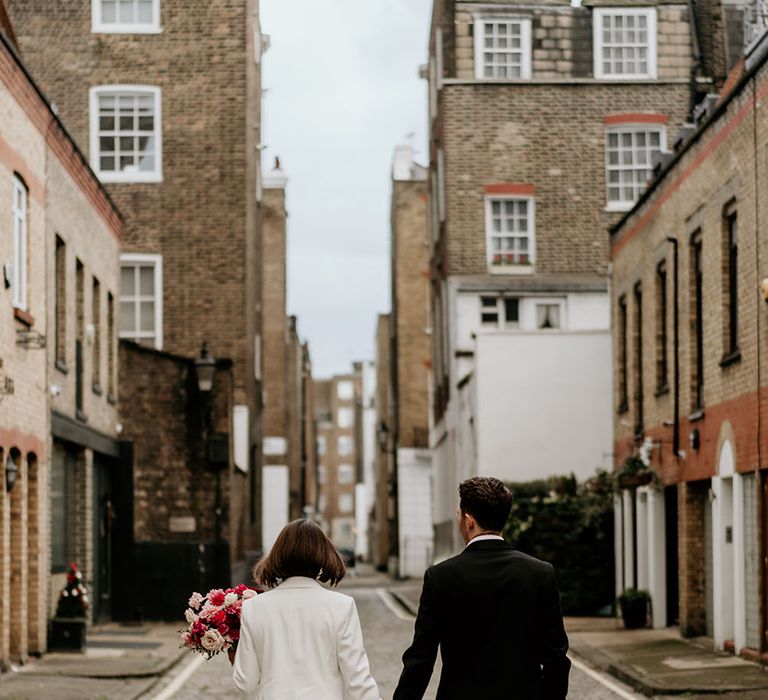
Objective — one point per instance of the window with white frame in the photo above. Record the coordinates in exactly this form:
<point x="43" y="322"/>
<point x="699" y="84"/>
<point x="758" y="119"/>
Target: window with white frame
<point x="629" y="154"/>
<point x="548" y="316"/>
<point x="502" y="48"/>
<point x="125" y="16"/>
<point x="344" y="445"/>
<point x="510" y="231"/>
<point x="346" y="502"/>
<point x="625" y="43"/>
<point x="345" y="417"/>
<point x="321" y="445"/>
<point x="345" y="390"/>
<point x="321" y="474"/>
<point x="346" y="474"/>
<point x="141" y="299"/>
<point x="19" y="264"/>
<point x="126" y="133"/>
<point x="499" y="312"/>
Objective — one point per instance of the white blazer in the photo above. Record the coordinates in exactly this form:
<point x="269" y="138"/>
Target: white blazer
<point x="301" y="641"/>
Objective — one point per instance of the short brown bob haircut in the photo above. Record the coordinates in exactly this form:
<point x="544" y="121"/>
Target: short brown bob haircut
<point x="301" y="549"/>
<point x="487" y="500"/>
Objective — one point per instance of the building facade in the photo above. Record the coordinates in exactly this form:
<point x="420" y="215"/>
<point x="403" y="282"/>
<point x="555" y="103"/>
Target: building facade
<point x="410" y="344"/>
<point x="335" y="402"/>
<point x="689" y="293"/>
<point x="544" y="122"/>
<point x="59" y="250"/>
<point x="384" y="540"/>
<point x="164" y="96"/>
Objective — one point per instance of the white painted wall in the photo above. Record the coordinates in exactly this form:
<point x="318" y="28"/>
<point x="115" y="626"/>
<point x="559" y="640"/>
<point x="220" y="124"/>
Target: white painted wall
<point x="365" y="493"/>
<point x="543" y="404"/>
<point x="415" y="511"/>
<point x="274" y="503"/>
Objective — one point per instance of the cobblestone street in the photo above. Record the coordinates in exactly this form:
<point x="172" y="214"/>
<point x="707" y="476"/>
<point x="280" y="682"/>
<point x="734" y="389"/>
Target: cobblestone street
<point x="386" y="637"/>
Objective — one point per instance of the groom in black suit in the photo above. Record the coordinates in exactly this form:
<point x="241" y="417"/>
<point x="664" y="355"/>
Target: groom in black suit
<point x="493" y="612"/>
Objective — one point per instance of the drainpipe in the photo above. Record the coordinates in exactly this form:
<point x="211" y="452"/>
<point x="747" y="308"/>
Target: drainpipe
<point x="676" y="343"/>
<point x="692" y="17"/>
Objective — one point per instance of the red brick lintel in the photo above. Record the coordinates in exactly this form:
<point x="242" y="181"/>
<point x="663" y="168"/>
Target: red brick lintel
<point x="517" y="188"/>
<point x="635" y="118"/>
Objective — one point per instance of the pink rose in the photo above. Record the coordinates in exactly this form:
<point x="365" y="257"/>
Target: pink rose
<point x="195" y="601"/>
<point x="249" y="593"/>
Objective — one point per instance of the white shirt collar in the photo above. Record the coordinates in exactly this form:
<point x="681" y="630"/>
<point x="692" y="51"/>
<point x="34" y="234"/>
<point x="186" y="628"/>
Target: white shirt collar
<point x="481" y="538"/>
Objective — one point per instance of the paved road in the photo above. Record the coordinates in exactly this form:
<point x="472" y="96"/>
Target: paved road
<point x="386" y="635"/>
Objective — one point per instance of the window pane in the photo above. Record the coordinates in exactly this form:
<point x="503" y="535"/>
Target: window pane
<point x="127" y="317"/>
<point x="512" y="310"/>
<point x="108" y="11"/>
<point x="125" y="11"/>
<point x="147" y="281"/>
<point x="145" y="11"/>
<point x="127" y="281"/>
<point x="147" y="316"/>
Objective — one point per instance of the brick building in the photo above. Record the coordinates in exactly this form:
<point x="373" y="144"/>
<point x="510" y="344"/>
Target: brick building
<point x="164" y="95"/>
<point x="544" y="120"/>
<point x="688" y="296"/>
<point x="337" y="447"/>
<point x="59" y="248"/>
<point x="408" y="419"/>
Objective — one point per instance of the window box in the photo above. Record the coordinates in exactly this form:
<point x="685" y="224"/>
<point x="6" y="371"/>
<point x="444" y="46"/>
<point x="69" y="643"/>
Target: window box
<point x="625" y="44"/>
<point x="502" y="48"/>
<point x="125" y="16"/>
<point x="126" y="133"/>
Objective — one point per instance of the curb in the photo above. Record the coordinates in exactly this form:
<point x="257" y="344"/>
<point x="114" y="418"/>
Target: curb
<point x="641" y="684"/>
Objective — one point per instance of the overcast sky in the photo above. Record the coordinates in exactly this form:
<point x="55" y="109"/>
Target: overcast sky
<point x="342" y="90"/>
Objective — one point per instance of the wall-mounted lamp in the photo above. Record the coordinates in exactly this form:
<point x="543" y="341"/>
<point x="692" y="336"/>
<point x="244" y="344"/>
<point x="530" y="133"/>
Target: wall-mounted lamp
<point x="11" y="473"/>
<point x="382" y="435"/>
<point x="205" y="366"/>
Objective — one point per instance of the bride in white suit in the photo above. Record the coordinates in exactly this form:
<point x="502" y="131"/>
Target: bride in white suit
<point x="300" y="640"/>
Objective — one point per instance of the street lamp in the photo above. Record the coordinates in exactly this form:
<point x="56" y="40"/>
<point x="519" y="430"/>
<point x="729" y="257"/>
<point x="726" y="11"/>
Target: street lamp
<point x="382" y="434"/>
<point x="11" y="473"/>
<point x="205" y="366"/>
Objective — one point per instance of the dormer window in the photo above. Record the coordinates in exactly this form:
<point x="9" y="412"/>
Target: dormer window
<point x="502" y="48"/>
<point x="625" y="43"/>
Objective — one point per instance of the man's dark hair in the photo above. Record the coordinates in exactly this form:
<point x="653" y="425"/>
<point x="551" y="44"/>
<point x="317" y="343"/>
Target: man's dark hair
<point x="487" y="500"/>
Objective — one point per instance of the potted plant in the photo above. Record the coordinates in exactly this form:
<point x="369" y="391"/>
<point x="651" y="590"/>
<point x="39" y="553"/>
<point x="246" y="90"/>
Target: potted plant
<point x="634" y="606"/>
<point x="634" y="473"/>
<point x="68" y="627"/>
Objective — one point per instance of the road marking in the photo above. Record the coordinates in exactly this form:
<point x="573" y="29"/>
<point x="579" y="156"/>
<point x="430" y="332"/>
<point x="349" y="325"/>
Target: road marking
<point x="394" y="608"/>
<point x="180" y="679"/>
<point x="608" y="683"/>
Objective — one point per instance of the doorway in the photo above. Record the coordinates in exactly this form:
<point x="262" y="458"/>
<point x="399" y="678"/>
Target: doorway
<point x="672" y="557"/>
<point x="103" y="521"/>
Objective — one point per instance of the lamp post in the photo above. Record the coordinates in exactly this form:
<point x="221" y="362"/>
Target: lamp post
<point x="11" y="473"/>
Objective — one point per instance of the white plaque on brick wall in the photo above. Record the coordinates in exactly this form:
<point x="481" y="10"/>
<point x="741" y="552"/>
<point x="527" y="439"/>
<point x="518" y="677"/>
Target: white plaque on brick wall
<point x="275" y="446"/>
<point x="186" y="524"/>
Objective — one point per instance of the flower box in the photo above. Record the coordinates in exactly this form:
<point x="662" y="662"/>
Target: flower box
<point x="67" y="634"/>
<point x="635" y="480"/>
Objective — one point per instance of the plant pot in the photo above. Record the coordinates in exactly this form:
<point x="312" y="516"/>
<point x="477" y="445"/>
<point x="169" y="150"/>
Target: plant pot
<point x="633" y="481"/>
<point x="67" y="634"/>
<point x="634" y="613"/>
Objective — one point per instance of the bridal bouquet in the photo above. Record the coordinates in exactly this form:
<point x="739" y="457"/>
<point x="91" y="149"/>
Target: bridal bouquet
<point x="214" y="620"/>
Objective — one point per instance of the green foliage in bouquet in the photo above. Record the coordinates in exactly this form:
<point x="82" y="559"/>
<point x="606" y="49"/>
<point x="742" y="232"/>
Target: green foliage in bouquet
<point x="73" y="599"/>
<point x="570" y="525"/>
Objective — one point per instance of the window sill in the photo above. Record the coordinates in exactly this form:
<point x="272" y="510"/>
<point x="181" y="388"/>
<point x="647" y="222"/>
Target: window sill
<point x="619" y="207"/>
<point x="697" y="415"/>
<point x="731" y="358"/>
<point x="133" y="178"/>
<point x="23" y="317"/>
<point x="62" y="366"/>
<point x="662" y="390"/>
<point x="81" y="416"/>
<point x="96" y="388"/>
<point x="111" y="399"/>
<point x="511" y="269"/>
<point x="126" y="29"/>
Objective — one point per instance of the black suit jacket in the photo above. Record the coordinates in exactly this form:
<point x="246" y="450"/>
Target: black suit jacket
<point x="495" y="614"/>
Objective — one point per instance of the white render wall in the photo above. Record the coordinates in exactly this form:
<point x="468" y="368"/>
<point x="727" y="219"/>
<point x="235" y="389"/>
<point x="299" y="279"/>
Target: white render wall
<point x="543" y="404"/>
<point x="274" y="504"/>
<point x="414" y="511"/>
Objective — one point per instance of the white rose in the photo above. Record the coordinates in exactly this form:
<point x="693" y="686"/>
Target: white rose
<point x="230" y="599"/>
<point x="190" y="615"/>
<point x="249" y="593"/>
<point x="212" y="641"/>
